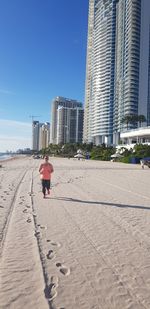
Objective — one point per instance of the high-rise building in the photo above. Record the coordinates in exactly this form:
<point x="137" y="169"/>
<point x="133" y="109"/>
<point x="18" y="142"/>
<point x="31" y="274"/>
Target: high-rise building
<point x="69" y="125"/>
<point x="99" y="92"/>
<point x="40" y="135"/>
<point x="144" y="76"/>
<point x="59" y="118"/>
<point x="44" y="135"/>
<point x="118" y="67"/>
<point x="127" y="66"/>
<point x="87" y="136"/>
<point x="35" y="135"/>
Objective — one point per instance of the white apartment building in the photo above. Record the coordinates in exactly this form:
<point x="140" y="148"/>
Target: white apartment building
<point x="144" y="76"/>
<point x="40" y="135"/>
<point x="118" y="67"/>
<point x="44" y="135"/>
<point x="55" y="116"/>
<point x="87" y="136"/>
<point x="35" y="135"/>
<point x="127" y="65"/>
<point x="99" y="93"/>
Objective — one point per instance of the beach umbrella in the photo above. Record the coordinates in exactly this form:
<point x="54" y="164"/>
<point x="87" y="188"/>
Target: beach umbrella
<point x="79" y="155"/>
<point x="116" y="155"/>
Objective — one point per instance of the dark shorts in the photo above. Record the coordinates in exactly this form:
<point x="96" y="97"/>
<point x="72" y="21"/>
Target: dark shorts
<point x="46" y="184"/>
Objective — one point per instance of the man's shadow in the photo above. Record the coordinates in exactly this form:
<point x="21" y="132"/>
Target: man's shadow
<point x="69" y="199"/>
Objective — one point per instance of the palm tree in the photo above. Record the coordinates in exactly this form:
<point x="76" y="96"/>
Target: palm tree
<point x="127" y="119"/>
<point x="134" y="118"/>
<point x="141" y="119"/>
<point x="131" y="118"/>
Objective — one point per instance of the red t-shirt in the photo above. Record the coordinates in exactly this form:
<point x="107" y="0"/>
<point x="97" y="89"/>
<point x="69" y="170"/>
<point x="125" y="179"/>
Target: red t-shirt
<point x="45" y="170"/>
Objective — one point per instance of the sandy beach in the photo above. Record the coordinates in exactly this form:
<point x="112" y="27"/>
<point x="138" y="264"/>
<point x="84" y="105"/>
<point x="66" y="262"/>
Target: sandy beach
<point x="86" y="246"/>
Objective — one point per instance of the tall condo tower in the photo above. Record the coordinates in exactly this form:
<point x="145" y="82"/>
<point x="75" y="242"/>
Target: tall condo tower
<point x="44" y="135"/>
<point x="40" y="135"/>
<point x="117" y="69"/>
<point x="60" y="115"/>
<point x="69" y="125"/>
<point x="127" y="66"/>
<point x="87" y="136"/>
<point x="144" y="77"/>
<point x="99" y="92"/>
<point x="35" y="135"/>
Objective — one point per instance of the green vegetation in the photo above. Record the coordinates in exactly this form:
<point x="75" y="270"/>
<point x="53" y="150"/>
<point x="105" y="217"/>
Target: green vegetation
<point x="133" y="119"/>
<point x="139" y="152"/>
<point x="101" y="152"/>
<point x="142" y="151"/>
<point x="70" y="150"/>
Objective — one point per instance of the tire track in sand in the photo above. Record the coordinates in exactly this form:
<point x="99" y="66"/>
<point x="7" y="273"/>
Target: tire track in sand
<point x="7" y="221"/>
<point x="21" y="268"/>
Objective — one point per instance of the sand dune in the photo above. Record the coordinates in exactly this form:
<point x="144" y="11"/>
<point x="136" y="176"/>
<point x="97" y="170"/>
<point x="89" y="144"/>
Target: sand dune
<point x="86" y="246"/>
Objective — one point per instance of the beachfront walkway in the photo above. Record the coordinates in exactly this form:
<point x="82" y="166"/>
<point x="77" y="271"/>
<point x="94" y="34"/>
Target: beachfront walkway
<point x="86" y="246"/>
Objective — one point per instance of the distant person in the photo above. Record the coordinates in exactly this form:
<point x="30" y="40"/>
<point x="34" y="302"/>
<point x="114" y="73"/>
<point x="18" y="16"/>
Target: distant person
<point x="46" y="169"/>
<point x="142" y="163"/>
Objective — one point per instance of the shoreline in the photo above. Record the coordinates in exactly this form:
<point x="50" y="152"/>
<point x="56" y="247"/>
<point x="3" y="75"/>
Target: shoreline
<point x="12" y="158"/>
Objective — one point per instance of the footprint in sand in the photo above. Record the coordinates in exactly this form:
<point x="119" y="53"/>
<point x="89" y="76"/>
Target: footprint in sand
<point x="30" y="193"/>
<point x="51" y="291"/>
<point x="25" y="210"/>
<point x="51" y="254"/>
<point x="43" y="227"/>
<point x="28" y="206"/>
<point x="29" y="220"/>
<point x="34" y="214"/>
<point x="63" y="269"/>
<point x="70" y="181"/>
<point x="53" y="243"/>
<point x="37" y="233"/>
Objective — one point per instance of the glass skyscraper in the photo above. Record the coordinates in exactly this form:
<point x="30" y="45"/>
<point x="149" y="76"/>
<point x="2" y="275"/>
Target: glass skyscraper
<point x="127" y="66"/>
<point x="117" y="67"/>
<point x="69" y="125"/>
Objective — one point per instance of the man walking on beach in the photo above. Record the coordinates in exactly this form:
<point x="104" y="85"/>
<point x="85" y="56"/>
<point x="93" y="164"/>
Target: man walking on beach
<point x="142" y="163"/>
<point x="45" y="170"/>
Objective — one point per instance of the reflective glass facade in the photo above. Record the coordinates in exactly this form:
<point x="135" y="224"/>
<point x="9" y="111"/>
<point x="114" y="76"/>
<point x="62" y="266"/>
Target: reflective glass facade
<point x="118" y="69"/>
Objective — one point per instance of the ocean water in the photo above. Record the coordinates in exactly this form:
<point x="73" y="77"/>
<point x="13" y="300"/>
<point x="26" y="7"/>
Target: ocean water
<point x="5" y="156"/>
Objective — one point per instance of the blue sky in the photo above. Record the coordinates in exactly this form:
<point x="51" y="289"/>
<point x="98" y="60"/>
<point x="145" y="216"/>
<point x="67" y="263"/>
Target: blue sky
<point x="42" y="55"/>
